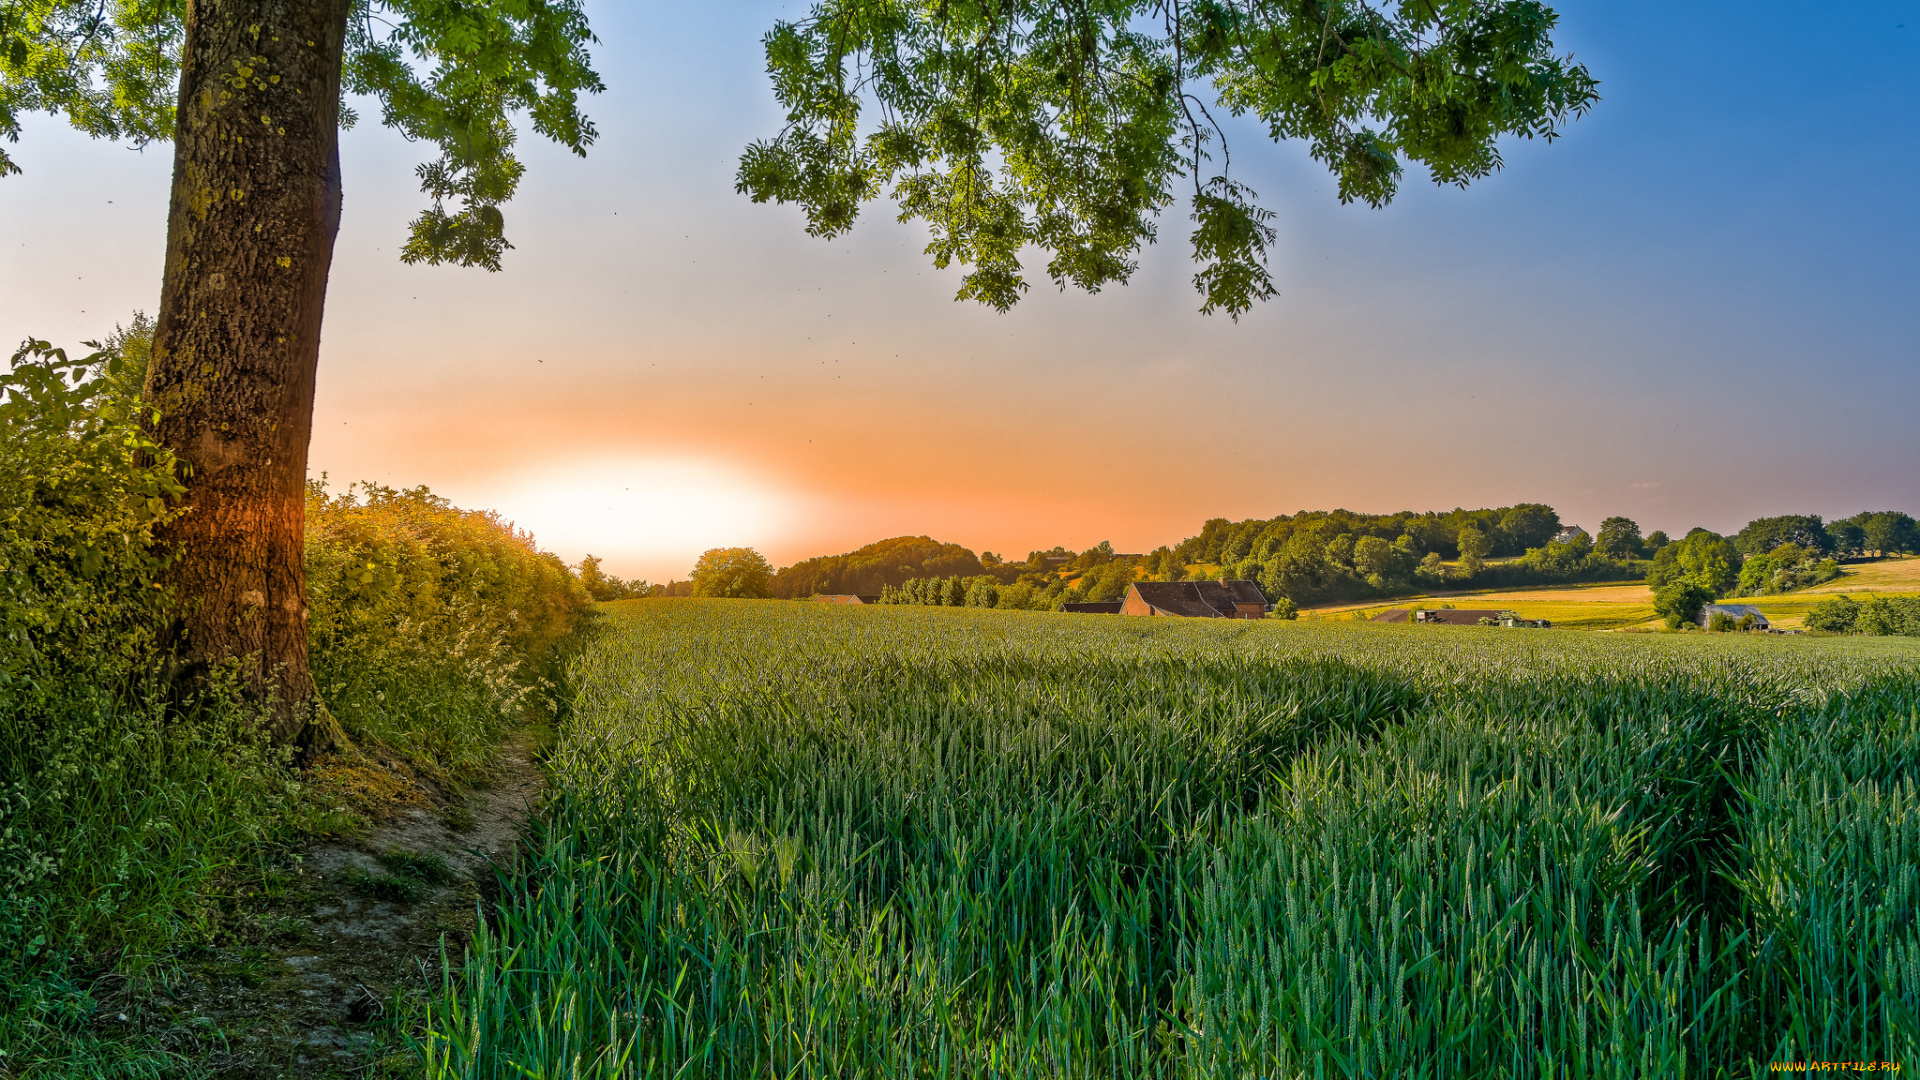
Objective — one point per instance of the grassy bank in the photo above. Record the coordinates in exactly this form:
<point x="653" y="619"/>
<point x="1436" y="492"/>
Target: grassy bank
<point x="799" y="841"/>
<point x="138" y="814"/>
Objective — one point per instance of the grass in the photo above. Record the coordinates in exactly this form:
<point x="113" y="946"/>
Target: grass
<point x="1566" y="614"/>
<point x="404" y="876"/>
<point x="1613" y="606"/>
<point x="798" y="841"/>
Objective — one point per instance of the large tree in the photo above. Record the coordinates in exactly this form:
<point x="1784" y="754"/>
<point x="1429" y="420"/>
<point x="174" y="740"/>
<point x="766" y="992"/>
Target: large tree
<point x="1619" y="539"/>
<point x="250" y="92"/>
<point x="1066" y="124"/>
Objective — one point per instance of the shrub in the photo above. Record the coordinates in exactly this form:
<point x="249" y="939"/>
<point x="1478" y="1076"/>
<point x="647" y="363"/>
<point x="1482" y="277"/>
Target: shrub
<point x="1897" y="615"/>
<point x="81" y="489"/>
<point x="117" y="805"/>
<point x="432" y="628"/>
<point x="1835" y="616"/>
<point x="1680" y="602"/>
<point x="125" y="800"/>
<point x="1881" y="616"/>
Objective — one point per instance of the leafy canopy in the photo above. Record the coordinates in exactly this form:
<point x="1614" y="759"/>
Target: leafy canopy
<point x="733" y="573"/>
<point x="1066" y="123"/>
<point x="449" y="74"/>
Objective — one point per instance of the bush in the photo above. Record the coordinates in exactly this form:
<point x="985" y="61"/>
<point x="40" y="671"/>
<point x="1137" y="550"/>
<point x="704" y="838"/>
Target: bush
<point x="126" y="802"/>
<point x="1835" y="616"/>
<point x="118" y="806"/>
<point x="1897" y="615"/>
<point x="432" y="628"/>
<point x="1883" y="616"/>
<point x="1680" y="602"/>
<point x="81" y="489"/>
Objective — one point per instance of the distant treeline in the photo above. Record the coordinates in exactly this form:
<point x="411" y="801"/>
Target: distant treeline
<point x="1509" y="530"/>
<point x="1032" y="586"/>
<point x="1318" y="556"/>
<point x="1333" y="555"/>
<point x="873" y="568"/>
<point x="1776" y="554"/>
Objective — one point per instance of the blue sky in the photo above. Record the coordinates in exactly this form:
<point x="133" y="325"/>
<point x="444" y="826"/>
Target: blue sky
<point x="1698" y="307"/>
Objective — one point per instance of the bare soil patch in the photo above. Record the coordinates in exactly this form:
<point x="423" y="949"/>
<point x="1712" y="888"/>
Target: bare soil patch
<point x="315" y="965"/>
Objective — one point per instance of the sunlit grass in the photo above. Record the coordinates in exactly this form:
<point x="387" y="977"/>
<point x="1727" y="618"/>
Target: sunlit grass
<point x="794" y="840"/>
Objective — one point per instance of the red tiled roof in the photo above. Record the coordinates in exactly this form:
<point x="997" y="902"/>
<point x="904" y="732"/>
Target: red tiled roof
<point x="1198" y="599"/>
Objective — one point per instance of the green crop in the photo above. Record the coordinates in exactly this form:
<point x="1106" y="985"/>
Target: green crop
<point x="792" y="840"/>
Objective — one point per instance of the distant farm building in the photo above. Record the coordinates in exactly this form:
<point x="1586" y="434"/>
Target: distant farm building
<point x="846" y="598"/>
<point x="1569" y="534"/>
<point x="1459" y="617"/>
<point x="1111" y="607"/>
<point x="1196" y="599"/>
<point x="1736" y="612"/>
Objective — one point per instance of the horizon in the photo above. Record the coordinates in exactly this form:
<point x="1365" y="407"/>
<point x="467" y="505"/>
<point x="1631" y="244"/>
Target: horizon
<point x="1696" y="308"/>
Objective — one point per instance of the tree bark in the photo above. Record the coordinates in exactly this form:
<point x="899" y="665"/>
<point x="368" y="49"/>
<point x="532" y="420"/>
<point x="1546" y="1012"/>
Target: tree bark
<point x="255" y="208"/>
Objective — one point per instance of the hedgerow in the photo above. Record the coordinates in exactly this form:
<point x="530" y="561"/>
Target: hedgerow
<point x="127" y="800"/>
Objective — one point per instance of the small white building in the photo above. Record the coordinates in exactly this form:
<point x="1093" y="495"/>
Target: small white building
<point x="1569" y="534"/>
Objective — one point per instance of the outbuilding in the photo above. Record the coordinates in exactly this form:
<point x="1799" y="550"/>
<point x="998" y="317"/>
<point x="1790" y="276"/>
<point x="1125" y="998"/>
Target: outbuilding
<point x="1239" y="599"/>
<point x="1736" y="612"/>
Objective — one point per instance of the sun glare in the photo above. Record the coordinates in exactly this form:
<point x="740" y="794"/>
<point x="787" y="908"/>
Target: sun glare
<point x="646" y="517"/>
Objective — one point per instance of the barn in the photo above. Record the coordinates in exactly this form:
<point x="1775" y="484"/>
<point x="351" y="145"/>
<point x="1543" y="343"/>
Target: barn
<point x="1196" y="599"/>
<point x="1736" y="612"/>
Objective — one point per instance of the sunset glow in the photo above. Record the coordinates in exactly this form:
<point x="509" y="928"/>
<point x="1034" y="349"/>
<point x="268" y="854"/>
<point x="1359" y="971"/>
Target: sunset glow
<point x="644" y="516"/>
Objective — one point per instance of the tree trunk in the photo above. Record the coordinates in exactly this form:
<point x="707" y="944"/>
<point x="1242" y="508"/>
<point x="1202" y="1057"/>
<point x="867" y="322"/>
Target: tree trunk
<point x="256" y="205"/>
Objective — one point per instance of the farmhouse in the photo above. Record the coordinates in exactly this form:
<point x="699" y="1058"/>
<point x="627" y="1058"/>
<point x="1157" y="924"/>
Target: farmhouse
<point x="1111" y="607"/>
<point x="1196" y="599"/>
<point x="1736" y="612"/>
<point x="1569" y="534"/>
<point x="846" y="598"/>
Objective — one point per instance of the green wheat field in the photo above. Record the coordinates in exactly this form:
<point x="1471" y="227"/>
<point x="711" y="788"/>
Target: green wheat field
<point x="797" y="840"/>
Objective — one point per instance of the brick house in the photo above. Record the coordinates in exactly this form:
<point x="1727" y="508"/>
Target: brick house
<point x="1196" y="599"/>
<point x="846" y="598"/>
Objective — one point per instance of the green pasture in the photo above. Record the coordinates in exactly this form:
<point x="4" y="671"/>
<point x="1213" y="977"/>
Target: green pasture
<point x="1564" y="614"/>
<point x="795" y="840"/>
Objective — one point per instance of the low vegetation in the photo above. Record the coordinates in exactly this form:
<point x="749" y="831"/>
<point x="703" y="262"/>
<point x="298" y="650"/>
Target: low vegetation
<point x="132" y="802"/>
<point x="1877" y="616"/>
<point x="816" y="841"/>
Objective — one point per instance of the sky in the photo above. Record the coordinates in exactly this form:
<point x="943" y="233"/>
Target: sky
<point x="1700" y="306"/>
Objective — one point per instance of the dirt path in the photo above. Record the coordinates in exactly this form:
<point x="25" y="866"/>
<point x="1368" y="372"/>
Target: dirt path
<point x="307" y="984"/>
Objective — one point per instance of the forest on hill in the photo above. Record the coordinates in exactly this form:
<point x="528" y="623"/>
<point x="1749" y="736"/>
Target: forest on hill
<point x="1325" y="556"/>
<point x="874" y="567"/>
